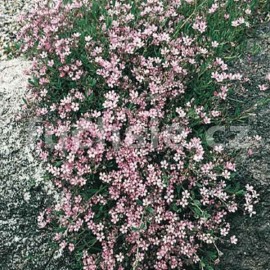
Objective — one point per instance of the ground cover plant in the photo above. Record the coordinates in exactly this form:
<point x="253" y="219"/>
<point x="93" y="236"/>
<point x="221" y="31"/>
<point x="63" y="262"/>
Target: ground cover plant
<point x="125" y="92"/>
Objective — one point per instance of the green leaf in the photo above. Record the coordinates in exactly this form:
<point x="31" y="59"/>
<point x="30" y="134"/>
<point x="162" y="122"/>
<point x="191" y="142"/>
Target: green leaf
<point x="150" y="209"/>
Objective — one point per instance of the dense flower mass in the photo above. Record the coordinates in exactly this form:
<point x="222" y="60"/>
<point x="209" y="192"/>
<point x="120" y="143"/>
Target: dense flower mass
<point x="115" y="84"/>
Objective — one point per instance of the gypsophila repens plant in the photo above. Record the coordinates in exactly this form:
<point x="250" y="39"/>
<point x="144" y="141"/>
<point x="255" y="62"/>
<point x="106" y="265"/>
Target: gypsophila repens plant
<point x="125" y="91"/>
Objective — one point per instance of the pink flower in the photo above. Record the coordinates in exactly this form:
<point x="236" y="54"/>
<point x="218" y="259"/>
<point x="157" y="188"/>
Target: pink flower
<point x="233" y="240"/>
<point x="213" y="8"/>
<point x="71" y="247"/>
<point x="214" y="44"/>
<point x="199" y="25"/>
<point x="262" y="87"/>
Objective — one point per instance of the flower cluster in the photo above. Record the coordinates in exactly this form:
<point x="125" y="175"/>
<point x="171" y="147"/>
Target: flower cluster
<point x="114" y="84"/>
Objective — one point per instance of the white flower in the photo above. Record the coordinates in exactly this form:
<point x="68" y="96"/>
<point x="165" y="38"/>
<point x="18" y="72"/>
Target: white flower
<point x="27" y="196"/>
<point x="233" y="240"/>
<point x="119" y="257"/>
<point x="214" y="44"/>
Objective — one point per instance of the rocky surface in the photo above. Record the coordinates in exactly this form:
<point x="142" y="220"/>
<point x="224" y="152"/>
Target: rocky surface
<point x="253" y="249"/>
<point x="23" y="193"/>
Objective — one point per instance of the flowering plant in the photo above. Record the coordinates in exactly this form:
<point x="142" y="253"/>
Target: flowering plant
<point x="125" y="90"/>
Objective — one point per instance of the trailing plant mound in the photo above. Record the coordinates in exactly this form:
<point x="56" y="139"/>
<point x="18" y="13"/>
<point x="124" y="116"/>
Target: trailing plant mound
<point x="125" y="92"/>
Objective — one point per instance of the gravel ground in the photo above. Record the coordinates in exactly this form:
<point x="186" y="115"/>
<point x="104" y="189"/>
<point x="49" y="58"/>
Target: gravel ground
<point x="253" y="249"/>
<point x="23" y="193"/>
<point x="9" y="12"/>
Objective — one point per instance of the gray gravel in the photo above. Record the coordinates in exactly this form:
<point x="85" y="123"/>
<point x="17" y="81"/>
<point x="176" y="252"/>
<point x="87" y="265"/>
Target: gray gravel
<point x="23" y="192"/>
<point x="253" y="249"/>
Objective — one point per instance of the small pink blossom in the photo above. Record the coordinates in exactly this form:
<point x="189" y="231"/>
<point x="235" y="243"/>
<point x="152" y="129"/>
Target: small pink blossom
<point x="233" y="240"/>
<point x="263" y="87"/>
<point x="214" y="44"/>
